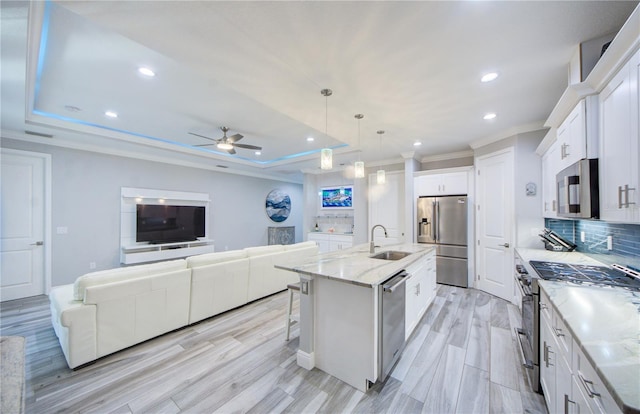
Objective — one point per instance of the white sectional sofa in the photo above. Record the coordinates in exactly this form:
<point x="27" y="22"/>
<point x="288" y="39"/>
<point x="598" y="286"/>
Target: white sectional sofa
<point x="104" y="312"/>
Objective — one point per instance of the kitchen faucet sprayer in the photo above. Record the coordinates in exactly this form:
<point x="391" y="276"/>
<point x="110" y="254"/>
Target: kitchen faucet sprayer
<point x="372" y="247"/>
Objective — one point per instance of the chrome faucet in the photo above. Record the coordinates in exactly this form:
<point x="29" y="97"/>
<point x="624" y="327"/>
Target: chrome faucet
<point x="372" y="247"/>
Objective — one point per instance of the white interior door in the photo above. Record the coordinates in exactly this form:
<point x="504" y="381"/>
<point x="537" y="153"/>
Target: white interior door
<point x="22" y="224"/>
<point x="494" y="186"/>
<point x="386" y="207"/>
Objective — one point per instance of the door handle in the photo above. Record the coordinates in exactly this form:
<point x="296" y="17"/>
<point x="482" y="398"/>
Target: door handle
<point x="38" y="243"/>
<point x="504" y="245"/>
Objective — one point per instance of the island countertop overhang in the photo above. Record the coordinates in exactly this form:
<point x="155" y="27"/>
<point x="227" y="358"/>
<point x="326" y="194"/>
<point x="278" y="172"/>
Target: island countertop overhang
<point x="356" y="266"/>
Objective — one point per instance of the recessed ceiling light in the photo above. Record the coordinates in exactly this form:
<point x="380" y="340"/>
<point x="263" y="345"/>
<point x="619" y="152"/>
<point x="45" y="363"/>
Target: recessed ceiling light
<point x="111" y="114"/>
<point x="146" y="72"/>
<point x="489" y="116"/>
<point x="489" y="77"/>
<point x="258" y="153"/>
<point x="417" y="144"/>
<point x="310" y="139"/>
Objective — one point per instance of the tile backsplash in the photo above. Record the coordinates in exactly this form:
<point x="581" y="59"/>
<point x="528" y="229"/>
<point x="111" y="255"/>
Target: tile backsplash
<point x="626" y="239"/>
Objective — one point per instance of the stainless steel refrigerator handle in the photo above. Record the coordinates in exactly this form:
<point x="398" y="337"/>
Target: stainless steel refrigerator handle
<point x="434" y="220"/>
<point x="437" y="221"/>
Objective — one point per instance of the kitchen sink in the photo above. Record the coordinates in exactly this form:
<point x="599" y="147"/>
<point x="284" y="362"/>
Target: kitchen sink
<point x="390" y="255"/>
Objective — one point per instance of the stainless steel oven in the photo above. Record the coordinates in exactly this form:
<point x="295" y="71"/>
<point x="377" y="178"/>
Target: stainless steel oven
<point x="529" y="335"/>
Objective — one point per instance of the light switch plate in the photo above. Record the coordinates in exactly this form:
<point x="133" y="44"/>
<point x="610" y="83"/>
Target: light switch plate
<point x="582" y="236"/>
<point x="609" y="242"/>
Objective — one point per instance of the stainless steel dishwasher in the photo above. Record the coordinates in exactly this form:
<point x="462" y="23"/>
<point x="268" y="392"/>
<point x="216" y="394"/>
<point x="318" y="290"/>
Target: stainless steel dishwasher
<point x="392" y="309"/>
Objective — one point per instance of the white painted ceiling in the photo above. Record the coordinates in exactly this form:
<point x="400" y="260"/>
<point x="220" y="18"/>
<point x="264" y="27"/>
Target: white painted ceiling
<point x="412" y="68"/>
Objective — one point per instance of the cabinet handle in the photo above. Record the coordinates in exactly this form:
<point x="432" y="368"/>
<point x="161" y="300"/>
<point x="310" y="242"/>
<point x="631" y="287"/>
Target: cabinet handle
<point x="554" y="205"/>
<point x="624" y="190"/>
<point x="543" y="306"/>
<point x="566" y="403"/>
<point x="591" y="393"/>
<point x="547" y="351"/>
<point x="619" y="196"/>
<point x="558" y="332"/>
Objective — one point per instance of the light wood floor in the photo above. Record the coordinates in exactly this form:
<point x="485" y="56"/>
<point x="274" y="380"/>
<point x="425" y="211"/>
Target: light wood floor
<point x="461" y="358"/>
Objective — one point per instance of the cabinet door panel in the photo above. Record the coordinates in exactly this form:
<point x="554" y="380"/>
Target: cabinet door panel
<point x="619" y="144"/>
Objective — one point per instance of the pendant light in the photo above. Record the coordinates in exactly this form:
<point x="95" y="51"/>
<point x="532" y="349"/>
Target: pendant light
<point x="359" y="165"/>
<point x="380" y="175"/>
<point x="326" y="154"/>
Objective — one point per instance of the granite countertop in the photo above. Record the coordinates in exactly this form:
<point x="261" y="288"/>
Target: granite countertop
<point x="605" y="323"/>
<point x="355" y="265"/>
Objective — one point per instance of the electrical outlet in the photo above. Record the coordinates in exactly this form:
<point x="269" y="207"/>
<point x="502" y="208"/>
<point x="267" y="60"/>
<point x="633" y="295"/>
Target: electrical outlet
<point x="582" y="236"/>
<point x="609" y="242"/>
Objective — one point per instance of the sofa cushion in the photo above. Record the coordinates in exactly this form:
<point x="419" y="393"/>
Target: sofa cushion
<point x="213" y="258"/>
<point x="123" y="273"/>
<point x="262" y="250"/>
<point x="300" y="245"/>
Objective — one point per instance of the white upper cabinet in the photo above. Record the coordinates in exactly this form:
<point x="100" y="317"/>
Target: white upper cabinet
<point x="447" y="183"/>
<point x="577" y="135"/>
<point x="550" y="167"/>
<point x="619" y="148"/>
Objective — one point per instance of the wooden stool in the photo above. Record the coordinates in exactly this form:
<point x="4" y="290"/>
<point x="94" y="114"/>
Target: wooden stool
<point x="292" y="287"/>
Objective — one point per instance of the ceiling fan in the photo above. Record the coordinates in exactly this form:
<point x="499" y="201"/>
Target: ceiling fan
<point x="227" y="143"/>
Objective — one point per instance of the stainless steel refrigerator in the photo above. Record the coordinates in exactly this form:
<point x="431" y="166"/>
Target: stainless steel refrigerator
<point x="442" y="221"/>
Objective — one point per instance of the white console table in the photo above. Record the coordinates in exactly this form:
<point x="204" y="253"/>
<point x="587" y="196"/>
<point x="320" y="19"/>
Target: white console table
<point x="141" y="253"/>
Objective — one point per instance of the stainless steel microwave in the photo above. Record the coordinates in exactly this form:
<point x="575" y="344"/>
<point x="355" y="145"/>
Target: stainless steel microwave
<point x="577" y="190"/>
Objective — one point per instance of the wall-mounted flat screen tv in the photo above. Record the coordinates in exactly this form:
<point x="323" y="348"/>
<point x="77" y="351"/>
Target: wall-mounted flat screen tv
<point x="169" y="224"/>
<point x="339" y="197"/>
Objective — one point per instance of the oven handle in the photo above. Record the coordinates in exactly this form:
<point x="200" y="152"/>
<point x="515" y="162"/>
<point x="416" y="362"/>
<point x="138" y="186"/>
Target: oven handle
<point x="525" y="362"/>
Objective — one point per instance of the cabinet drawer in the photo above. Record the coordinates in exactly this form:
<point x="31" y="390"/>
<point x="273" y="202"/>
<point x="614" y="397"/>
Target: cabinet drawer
<point x="592" y="387"/>
<point x="563" y="336"/>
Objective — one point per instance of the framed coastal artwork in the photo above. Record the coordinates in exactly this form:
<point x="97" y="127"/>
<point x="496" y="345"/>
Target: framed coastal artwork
<point x="278" y="205"/>
<point x="336" y="198"/>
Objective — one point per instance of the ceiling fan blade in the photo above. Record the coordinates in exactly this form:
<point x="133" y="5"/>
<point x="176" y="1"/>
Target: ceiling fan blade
<point x="203" y="145"/>
<point x="246" y="146"/>
<point x="234" y="138"/>
<point x="202" y="136"/>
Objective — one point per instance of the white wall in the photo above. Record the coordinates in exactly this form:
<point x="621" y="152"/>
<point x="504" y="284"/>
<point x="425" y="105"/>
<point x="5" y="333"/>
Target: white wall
<point x="86" y="200"/>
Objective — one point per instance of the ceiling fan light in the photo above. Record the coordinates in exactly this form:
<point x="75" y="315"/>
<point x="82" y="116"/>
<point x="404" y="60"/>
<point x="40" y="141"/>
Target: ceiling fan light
<point x="224" y="146"/>
<point x="326" y="159"/>
<point x="359" y="169"/>
<point x="381" y="177"/>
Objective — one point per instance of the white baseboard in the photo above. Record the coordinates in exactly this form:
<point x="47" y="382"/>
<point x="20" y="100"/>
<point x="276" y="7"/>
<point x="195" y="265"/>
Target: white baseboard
<point x="305" y="360"/>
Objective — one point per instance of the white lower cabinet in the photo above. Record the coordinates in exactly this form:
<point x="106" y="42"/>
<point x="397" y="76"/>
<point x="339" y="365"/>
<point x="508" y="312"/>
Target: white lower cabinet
<point x="330" y="242"/>
<point x="569" y="383"/>
<point x="420" y="291"/>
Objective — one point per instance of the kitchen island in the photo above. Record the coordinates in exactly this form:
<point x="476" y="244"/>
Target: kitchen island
<point x="340" y="314"/>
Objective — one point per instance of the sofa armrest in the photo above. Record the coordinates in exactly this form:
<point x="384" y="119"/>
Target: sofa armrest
<point x="75" y="326"/>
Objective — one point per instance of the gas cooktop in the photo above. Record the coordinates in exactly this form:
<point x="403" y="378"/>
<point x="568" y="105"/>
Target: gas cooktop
<point x="585" y="275"/>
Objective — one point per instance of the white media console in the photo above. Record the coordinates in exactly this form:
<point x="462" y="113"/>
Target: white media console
<point x="132" y="252"/>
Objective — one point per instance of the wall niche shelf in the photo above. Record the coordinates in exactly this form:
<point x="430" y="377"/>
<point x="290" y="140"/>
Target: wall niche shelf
<point x="132" y="252"/>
